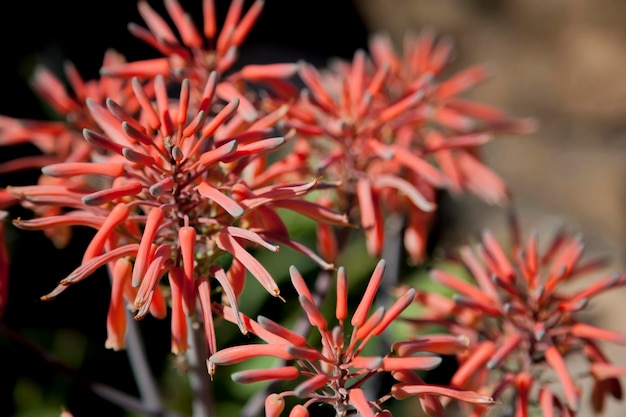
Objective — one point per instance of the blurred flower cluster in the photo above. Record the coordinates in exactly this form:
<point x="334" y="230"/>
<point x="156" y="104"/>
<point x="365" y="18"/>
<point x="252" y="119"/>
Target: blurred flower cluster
<point x="184" y="165"/>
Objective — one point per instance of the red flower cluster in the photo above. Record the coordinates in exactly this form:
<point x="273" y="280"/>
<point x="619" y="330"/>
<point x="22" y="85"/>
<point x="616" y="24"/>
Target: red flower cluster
<point x="522" y="324"/>
<point x="171" y="183"/>
<point x="392" y="134"/>
<point x="336" y="374"/>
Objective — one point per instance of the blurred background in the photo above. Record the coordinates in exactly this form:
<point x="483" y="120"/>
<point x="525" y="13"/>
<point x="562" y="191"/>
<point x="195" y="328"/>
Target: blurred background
<point x="560" y="62"/>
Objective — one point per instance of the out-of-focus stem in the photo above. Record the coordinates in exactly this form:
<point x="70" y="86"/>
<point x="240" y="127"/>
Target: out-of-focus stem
<point x="146" y="383"/>
<point x="392" y="254"/>
<point x="199" y="380"/>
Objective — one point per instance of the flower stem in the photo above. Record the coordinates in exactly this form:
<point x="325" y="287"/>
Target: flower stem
<point x="199" y="379"/>
<point x="146" y="382"/>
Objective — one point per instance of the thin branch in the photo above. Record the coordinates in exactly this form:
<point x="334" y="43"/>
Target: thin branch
<point x="135" y="350"/>
<point x="199" y="379"/>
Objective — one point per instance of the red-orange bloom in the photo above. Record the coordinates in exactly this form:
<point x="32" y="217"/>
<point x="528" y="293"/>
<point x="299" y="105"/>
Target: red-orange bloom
<point x="167" y="188"/>
<point x="337" y="373"/>
<point x="385" y="129"/>
<point x="521" y="319"/>
<point x="193" y="53"/>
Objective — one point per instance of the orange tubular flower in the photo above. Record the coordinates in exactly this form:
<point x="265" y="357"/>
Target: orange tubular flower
<point x="167" y="188"/>
<point x="520" y="320"/>
<point x="392" y="135"/>
<point x="337" y="373"/>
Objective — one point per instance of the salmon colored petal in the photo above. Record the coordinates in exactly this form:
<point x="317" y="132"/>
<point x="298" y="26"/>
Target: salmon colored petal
<point x="357" y="398"/>
<point x="459" y="285"/>
<point x="220" y="275"/>
<point x="511" y="343"/>
<point x="478" y="359"/>
<point x="298" y="411"/>
<point x="410" y="191"/>
<point x="179" y="319"/>
<point x="546" y="402"/>
<point x="313" y="211"/>
<point x="502" y="266"/>
<point x="341" y="309"/>
<point x="153" y="221"/>
<point x="326" y="242"/>
<point x="431" y="404"/>
<point x="227" y="91"/>
<point x="314" y="315"/>
<point x="229" y="244"/>
<point x="402" y="391"/>
<point x="523" y="382"/>
<point x="117" y="216"/>
<point x="587" y="331"/>
<point x="184" y="24"/>
<point x="251" y="376"/>
<point x="443" y="344"/>
<point x="116" y="316"/>
<point x="371" y="218"/>
<point x="273" y="327"/>
<point x="97" y="198"/>
<point x="70" y="169"/>
<point x="155" y="271"/>
<point x="187" y="243"/>
<point x="360" y="314"/>
<point x="394" y="311"/>
<point x="555" y="360"/>
<point x="274" y="405"/>
<point x="246" y="23"/>
<point x="90" y="267"/>
<point x="236" y="276"/>
<point x="268" y="71"/>
<point x="209" y="191"/>
<point x="364" y="332"/>
<point x="479" y="273"/>
<point x="236" y="354"/>
<point x="602" y="371"/>
<point x="412" y="362"/>
<point x="204" y="296"/>
<point x="158" y="304"/>
<point x="298" y="282"/>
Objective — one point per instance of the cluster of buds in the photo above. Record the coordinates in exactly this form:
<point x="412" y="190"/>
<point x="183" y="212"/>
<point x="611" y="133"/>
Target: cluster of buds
<point x="521" y="317"/>
<point x="337" y="374"/>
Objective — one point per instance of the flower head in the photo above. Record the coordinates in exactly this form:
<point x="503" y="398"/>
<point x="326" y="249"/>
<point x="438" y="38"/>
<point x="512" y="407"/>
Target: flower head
<point x="193" y="53"/>
<point x="336" y="373"/>
<point x="521" y="316"/>
<point x="385" y="128"/>
<point x="167" y="189"/>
